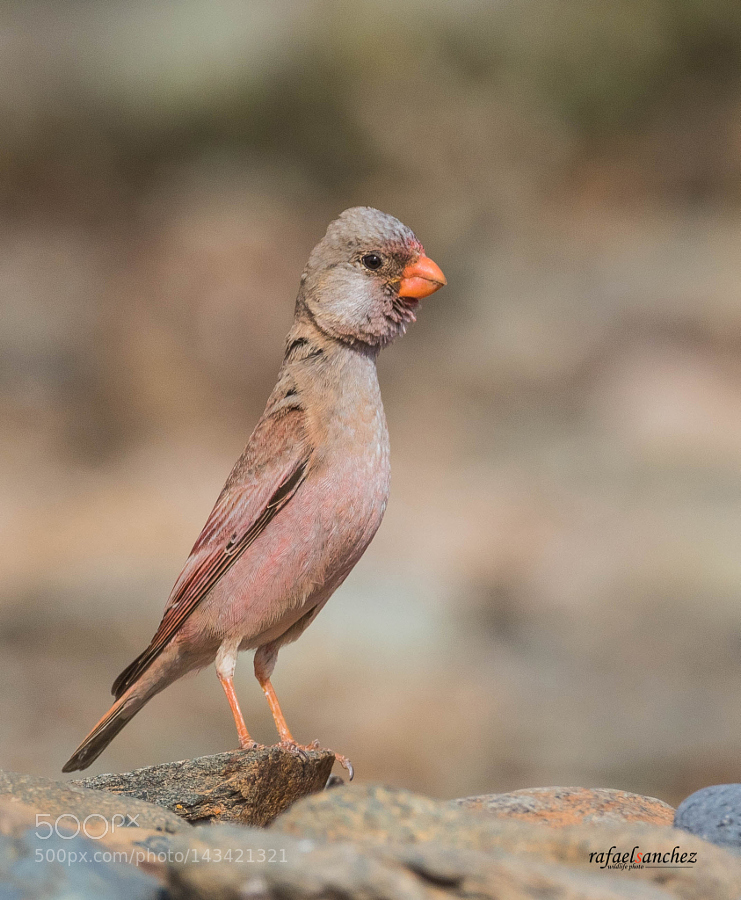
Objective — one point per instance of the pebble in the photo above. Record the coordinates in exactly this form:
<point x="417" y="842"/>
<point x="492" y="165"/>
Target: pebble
<point x="714" y="814"/>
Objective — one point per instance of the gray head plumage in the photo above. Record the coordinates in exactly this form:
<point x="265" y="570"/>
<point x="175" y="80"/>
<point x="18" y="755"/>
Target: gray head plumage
<point x="348" y="299"/>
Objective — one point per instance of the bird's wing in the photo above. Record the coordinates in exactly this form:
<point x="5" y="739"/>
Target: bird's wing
<point x="262" y="482"/>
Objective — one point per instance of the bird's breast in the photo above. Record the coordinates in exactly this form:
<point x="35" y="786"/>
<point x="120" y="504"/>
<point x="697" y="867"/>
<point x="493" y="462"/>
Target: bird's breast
<point x="350" y="484"/>
<point x="315" y="540"/>
<point x="354" y="477"/>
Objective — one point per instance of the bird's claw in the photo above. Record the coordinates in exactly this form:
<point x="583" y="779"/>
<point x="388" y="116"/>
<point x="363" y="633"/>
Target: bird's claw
<point x="346" y="764"/>
<point x="251" y="745"/>
<point x="302" y="751"/>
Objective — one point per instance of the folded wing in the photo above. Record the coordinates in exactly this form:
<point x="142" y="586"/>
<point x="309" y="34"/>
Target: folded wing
<point x="261" y="484"/>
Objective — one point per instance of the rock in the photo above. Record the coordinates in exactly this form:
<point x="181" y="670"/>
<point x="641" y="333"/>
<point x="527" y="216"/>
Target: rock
<point x="68" y="804"/>
<point x="145" y="848"/>
<point x="375" y="814"/>
<point x="247" y="786"/>
<point x="63" y="868"/>
<point x="714" y="875"/>
<point x="714" y="814"/>
<point x="571" y="806"/>
<point x="355" y="843"/>
<point x="376" y="817"/>
<point x="292" y="869"/>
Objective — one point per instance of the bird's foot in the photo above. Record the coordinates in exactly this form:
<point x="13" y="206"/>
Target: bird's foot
<point x="302" y="750"/>
<point x="251" y="745"/>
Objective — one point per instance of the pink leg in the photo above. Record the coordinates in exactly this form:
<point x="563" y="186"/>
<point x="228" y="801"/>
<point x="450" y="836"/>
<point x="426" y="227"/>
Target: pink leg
<point x="265" y="658"/>
<point x="226" y="660"/>
<point x="264" y="665"/>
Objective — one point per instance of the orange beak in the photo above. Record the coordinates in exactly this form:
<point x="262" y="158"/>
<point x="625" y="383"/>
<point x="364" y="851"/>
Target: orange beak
<point x="421" y="278"/>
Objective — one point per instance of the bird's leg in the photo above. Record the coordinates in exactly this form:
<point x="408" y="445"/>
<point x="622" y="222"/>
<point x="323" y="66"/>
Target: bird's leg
<point x="265" y="658"/>
<point x="226" y="660"/>
<point x="264" y="664"/>
<point x="245" y="741"/>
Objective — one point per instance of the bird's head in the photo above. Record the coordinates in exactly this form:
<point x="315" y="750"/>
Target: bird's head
<point x="365" y="278"/>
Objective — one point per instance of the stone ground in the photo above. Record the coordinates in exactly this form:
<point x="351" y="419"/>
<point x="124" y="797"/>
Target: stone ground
<point x="364" y="842"/>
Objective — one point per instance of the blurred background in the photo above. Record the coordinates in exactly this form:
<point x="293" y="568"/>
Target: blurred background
<point x="555" y="594"/>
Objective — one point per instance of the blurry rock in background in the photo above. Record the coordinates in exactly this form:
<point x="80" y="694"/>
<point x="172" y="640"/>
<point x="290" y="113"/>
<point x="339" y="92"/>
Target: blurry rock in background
<point x="555" y="594"/>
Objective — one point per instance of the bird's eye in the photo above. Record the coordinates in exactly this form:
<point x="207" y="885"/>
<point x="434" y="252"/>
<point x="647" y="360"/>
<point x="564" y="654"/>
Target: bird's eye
<point x="372" y="261"/>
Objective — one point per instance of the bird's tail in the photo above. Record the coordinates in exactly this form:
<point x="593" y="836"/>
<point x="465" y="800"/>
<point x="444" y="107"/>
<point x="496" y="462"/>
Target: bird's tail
<point x="163" y="672"/>
<point x="104" y="732"/>
<point x="101" y="736"/>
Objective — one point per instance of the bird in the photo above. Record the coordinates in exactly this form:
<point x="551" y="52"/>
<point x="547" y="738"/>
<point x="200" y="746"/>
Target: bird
<point x="308" y="493"/>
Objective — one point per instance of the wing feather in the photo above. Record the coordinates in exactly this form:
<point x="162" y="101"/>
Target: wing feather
<point x="262" y="482"/>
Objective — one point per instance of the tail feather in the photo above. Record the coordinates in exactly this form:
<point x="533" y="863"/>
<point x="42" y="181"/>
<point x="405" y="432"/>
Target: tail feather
<point x="165" y="669"/>
<point x="104" y="732"/>
<point x="127" y="705"/>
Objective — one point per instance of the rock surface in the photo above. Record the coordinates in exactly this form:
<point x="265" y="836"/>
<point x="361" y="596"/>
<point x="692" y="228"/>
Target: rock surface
<point x="294" y="869"/>
<point x="573" y="805"/>
<point x="373" y="814"/>
<point x="714" y="814"/>
<point x="354" y="842"/>
<point x="68" y="803"/>
<point x="247" y="786"/>
<point x="714" y="874"/>
<point x="145" y="848"/>
<point x="374" y="818"/>
<point x="67" y="869"/>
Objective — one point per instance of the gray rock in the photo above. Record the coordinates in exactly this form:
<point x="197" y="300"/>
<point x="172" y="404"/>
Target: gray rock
<point x="145" y="848"/>
<point x="57" y="868"/>
<point x="247" y="786"/>
<point x="714" y="814"/>
<point x="76" y="804"/>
